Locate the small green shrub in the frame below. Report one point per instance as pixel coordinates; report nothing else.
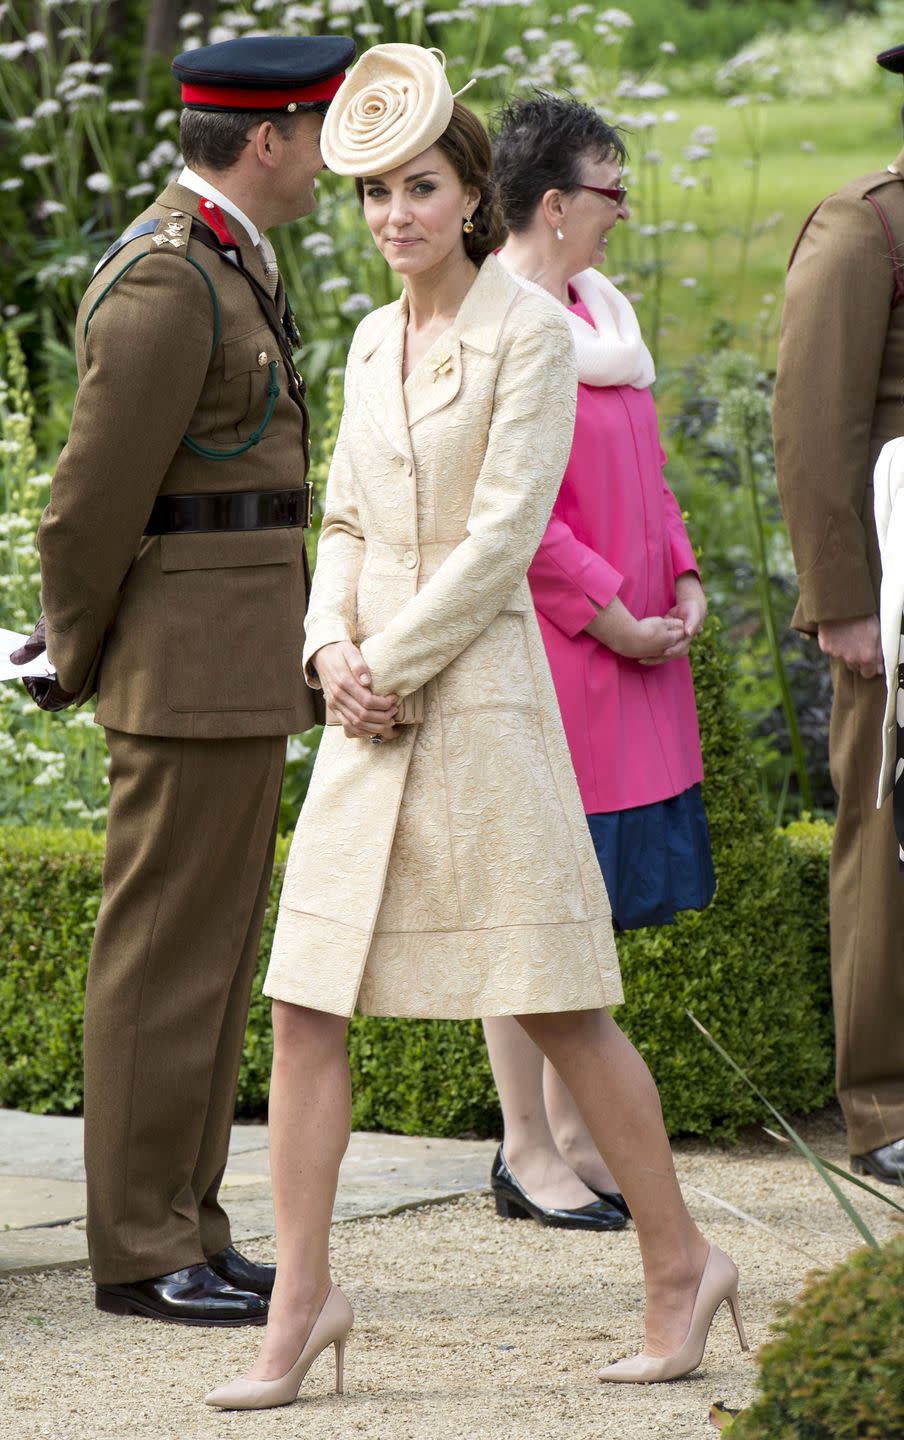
(753, 968)
(833, 1370)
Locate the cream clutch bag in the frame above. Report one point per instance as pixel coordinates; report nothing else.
(411, 710)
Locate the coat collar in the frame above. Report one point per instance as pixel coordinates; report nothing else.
(179, 197)
(437, 379)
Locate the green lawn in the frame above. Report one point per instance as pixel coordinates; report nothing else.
(850, 138)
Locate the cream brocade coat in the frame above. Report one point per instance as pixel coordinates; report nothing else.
(448, 873)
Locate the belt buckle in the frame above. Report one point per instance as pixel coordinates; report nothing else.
(307, 504)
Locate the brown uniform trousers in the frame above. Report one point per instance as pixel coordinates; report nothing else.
(838, 399)
(194, 644)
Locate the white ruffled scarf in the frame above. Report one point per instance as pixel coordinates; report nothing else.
(611, 351)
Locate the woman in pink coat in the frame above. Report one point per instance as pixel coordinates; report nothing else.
(619, 601)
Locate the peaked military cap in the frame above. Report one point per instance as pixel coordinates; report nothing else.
(264, 72)
(892, 60)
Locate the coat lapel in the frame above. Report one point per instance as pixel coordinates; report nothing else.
(436, 381)
(382, 381)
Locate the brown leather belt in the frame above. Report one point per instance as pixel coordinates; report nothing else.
(231, 510)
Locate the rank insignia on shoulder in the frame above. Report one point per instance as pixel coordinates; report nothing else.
(171, 233)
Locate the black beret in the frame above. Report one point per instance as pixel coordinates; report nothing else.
(892, 60)
(264, 72)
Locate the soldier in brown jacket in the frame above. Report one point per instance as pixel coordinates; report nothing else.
(174, 581)
(839, 397)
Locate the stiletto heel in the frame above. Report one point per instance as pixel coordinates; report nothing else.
(331, 1327)
(718, 1283)
(735, 1303)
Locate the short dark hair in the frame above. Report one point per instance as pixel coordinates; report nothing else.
(540, 143)
(466, 145)
(216, 138)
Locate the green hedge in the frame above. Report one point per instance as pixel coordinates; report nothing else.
(753, 968)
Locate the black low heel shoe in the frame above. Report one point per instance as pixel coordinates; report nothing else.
(614, 1198)
(513, 1203)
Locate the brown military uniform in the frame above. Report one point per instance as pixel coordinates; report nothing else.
(839, 397)
(194, 642)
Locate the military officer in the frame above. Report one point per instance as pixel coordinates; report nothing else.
(174, 582)
(838, 399)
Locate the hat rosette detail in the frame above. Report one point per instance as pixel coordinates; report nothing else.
(395, 103)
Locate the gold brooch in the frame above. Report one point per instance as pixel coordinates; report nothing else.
(442, 366)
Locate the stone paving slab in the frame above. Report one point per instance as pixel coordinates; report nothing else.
(42, 1184)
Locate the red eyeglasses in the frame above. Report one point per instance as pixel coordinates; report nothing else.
(618, 193)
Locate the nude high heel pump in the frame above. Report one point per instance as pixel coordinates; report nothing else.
(331, 1327)
(719, 1282)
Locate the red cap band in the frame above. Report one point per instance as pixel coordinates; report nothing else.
(235, 98)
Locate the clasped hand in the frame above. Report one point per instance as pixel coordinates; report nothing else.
(347, 685)
(657, 638)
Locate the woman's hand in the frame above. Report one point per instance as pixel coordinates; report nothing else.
(690, 608)
(648, 639)
(346, 683)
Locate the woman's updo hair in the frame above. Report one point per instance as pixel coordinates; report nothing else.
(466, 145)
(540, 143)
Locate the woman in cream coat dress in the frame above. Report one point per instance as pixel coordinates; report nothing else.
(442, 865)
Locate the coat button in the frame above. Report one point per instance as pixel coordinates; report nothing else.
(409, 559)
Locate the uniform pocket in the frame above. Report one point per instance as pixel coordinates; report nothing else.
(232, 600)
(246, 376)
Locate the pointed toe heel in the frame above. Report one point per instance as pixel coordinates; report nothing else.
(332, 1327)
(718, 1284)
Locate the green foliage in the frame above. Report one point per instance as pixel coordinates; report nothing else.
(753, 967)
(833, 1369)
(49, 895)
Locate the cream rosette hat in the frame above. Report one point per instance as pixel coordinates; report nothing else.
(393, 104)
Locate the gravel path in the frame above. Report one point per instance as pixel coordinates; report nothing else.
(468, 1327)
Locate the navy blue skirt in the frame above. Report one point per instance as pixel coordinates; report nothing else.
(656, 859)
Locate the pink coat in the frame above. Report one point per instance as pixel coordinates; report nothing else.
(616, 529)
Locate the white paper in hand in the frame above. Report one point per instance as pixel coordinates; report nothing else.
(10, 641)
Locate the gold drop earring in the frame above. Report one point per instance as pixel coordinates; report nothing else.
(468, 225)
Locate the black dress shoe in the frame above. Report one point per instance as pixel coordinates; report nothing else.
(195, 1296)
(514, 1203)
(243, 1274)
(614, 1198)
(886, 1163)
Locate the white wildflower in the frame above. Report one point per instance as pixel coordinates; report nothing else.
(191, 20)
(71, 32)
(668, 117)
(165, 119)
(35, 162)
(736, 101)
(46, 208)
(46, 108)
(689, 282)
(85, 92)
(619, 18)
(125, 107)
(144, 188)
(24, 124)
(653, 157)
(35, 41)
(356, 304)
(192, 42)
(807, 146)
(534, 36)
(99, 183)
(15, 182)
(335, 282)
(13, 50)
(705, 135)
(689, 227)
(689, 182)
(219, 33)
(668, 47)
(368, 29)
(695, 153)
(346, 7)
(79, 68)
(319, 243)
